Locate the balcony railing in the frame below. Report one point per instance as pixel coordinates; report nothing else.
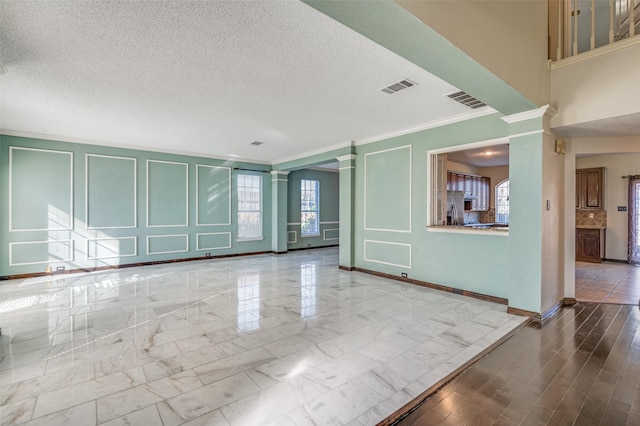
(578, 26)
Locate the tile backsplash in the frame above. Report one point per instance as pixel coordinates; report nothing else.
(599, 218)
(471, 217)
(488, 217)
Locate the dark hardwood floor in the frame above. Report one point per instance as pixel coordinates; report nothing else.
(581, 367)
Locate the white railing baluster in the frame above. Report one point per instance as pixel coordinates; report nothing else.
(575, 27)
(568, 43)
(559, 54)
(632, 19)
(593, 24)
(612, 14)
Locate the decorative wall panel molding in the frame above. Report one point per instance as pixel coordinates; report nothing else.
(330, 234)
(40, 252)
(40, 189)
(387, 190)
(213, 195)
(167, 193)
(162, 244)
(110, 248)
(110, 192)
(388, 253)
(213, 241)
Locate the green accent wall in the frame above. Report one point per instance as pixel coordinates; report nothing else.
(387, 189)
(525, 220)
(279, 212)
(111, 192)
(87, 206)
(329, 209)
(474, 262)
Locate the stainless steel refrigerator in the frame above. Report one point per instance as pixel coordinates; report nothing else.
(455, 208)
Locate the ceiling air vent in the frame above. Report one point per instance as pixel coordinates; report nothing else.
(467, 100)
(256, 143)
(396, 87)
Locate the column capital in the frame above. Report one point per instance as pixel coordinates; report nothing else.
(346, 157)
(279, 172)
(544, 111)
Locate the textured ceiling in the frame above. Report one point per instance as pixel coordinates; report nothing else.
(624, 125)
(488, 156)
(204, 77)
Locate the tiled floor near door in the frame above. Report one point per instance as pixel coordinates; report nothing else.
(259, 340)
(608, 282)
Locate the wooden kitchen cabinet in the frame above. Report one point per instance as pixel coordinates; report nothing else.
(590, 245)
(479, 187)
(590, 188)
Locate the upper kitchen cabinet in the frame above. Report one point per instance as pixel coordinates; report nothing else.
(477, 189)
(590, 188)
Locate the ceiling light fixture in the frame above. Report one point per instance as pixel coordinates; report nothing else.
(256, 143)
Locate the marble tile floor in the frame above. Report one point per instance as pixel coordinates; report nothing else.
(608, 282)
(257, 340)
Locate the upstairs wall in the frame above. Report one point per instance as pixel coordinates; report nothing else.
(597, 85)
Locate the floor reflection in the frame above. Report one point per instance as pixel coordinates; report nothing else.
(249, 302)
(308, 300)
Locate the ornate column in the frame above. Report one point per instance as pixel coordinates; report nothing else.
(347, 169)
(279, 183)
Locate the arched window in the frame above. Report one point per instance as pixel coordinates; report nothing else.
(502, 202)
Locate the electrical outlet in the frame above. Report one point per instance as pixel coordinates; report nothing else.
(404, 275)
(207, 255)
(622, 208)
(59, 268)
(591, 215)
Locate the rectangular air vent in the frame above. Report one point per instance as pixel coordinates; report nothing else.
(467, 100)
(396, 87)
(256, 143)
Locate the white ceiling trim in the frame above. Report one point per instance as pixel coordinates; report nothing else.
(324, 169)
(128, 146)
(472, 145)
(481, 112)
(314, 152)
(527, 115)
(425, 126)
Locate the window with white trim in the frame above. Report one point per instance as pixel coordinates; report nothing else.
(309, 207)
(502, 202)
(249, 207)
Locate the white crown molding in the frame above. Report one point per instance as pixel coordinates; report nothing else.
(528, 115)
(481, 112)
(323, 169)
(314, 152)
(346, 157)
(128, 146)
(600, 51)
(279, 172)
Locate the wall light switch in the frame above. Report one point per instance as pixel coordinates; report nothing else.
(548, 205)
(622, 208)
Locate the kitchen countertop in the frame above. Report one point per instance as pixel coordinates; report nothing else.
(471, 228)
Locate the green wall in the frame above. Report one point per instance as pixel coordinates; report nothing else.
(391, 235)
(329, 209)
(87, 206)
